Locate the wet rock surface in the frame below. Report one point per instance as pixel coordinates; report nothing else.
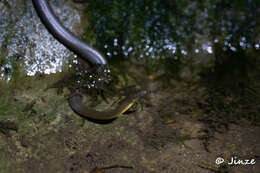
(23, 35)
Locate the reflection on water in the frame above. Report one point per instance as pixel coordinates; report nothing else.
(151, 28)
(122, 29)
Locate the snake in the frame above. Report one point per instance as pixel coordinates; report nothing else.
(78, 106)
(88, 54)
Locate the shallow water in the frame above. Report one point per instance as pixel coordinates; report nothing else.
(198, 60)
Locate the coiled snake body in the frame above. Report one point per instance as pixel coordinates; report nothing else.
(87, 53)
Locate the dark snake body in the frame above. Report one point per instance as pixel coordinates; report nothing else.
(68, 39)
(87, 53)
